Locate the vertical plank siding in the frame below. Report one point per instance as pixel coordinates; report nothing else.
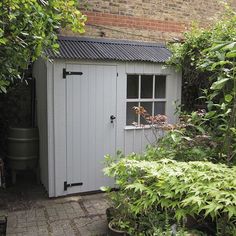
(83, 105)
(40, 72)
(136, 140)
(91, 100)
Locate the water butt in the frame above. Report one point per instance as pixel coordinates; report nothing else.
(23, 149)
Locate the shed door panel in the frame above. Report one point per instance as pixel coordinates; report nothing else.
(91, 100)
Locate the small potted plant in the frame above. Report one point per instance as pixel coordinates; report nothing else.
(117, 227)
(120, 221)
(118, 217)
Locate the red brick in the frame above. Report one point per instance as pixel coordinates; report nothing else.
(160, 20)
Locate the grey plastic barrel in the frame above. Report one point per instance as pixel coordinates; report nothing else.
(23, 148)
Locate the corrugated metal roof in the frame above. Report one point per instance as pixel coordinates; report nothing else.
(108, 49)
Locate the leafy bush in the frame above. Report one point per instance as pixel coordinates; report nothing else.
(188, 140)
(221, 97)
(181, 189)
(207, 58)
(27, 28)
(156, 194)
(189, 54)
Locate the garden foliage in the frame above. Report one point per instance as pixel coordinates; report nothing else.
(189, 56)
(212, 53)
(189, 172)
(27, 28)
(197, 189)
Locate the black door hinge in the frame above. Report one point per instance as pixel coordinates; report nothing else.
(65, 73)
(71, 185)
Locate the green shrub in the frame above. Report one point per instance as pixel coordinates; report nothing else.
(176, 179)
(189, 54)
(207, 58)
(188, 140)
(182, 189)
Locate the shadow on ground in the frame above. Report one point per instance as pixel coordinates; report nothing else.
(31, 212)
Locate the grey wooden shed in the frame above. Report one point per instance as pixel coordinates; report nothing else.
(85, 94)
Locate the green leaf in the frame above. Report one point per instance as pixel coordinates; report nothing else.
(211, 209)
(210, 104)
(200, 129)
(219, 84)
(231, 54)
(229, 46)
(3, 89)
(213, 95)
(137, 187)
(231, 211)
(105, 189)
(187, 138)
(180, 214)
(210, 114)
(228, 97)
(219, 63)
(173, 136)
(217, 47)
(223, 106)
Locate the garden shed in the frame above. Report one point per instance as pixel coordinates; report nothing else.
(85, 94)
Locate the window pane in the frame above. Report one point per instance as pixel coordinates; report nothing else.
(160, 86)
(159, 108)
(148, 107)
(132, 86)
(131, 117)
(146, 86)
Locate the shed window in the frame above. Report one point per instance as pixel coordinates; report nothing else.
(148, 91)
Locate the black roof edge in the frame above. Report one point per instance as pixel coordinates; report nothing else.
(110, 41)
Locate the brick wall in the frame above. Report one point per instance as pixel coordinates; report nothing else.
(147, 20)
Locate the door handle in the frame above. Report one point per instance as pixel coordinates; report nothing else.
(112, 118)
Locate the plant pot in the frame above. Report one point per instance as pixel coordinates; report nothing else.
(110, 214)
(115, 232)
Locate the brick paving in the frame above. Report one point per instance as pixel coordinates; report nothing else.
(77, 215)
(32, 214)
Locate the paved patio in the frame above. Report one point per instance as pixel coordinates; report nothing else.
(30, 212)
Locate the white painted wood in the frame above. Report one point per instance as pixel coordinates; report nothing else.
(129, 142)
(171, 94)
(136, 140)
(40, 73)
(178, 77)
(139, 68)
(59, 91)
(50, 130)
(121, 106)
(91, 100)
(79, 131)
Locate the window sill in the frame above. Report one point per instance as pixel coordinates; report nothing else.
(132, 127)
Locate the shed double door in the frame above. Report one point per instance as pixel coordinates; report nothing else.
(91, 133)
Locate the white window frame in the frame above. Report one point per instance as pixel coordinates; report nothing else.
(139, 99)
